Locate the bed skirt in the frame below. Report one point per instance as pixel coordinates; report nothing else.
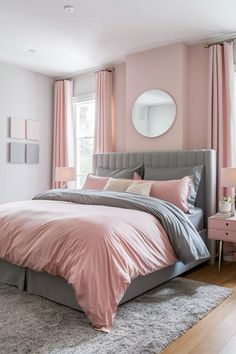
(56, 289)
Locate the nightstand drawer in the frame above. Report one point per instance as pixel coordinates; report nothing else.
(221, 224)
(224, 235)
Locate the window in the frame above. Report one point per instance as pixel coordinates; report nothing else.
(84, 114)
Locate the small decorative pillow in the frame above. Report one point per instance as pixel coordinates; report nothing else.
(173, 191)
(94, 182)
(137, 177)
(142, 188)
(117, 184)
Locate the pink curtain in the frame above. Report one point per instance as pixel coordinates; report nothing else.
(59, 155)
(221, 108)
(104, 138)
(62, 128)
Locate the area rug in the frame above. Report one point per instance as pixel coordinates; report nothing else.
(147, 324)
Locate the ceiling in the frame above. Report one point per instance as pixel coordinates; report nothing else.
(103, 31)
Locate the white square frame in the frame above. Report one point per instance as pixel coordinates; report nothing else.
(17, 128)
(32, 130)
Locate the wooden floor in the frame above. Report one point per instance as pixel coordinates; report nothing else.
(216, 333)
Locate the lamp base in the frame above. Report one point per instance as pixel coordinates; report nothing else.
(233, 207)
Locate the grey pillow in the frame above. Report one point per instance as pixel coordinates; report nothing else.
(167, 173)
(120, 173)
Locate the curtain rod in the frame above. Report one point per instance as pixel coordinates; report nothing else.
(109, 69)
(229, 40)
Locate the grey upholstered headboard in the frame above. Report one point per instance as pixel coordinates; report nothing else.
(206, 198)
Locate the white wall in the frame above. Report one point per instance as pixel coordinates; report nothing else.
(84, 85)
(28, 95)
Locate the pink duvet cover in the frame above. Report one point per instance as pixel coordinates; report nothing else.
(97, 249)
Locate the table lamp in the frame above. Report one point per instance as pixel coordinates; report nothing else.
(228, 179)
(64, 174)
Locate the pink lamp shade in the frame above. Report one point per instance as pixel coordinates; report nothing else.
(228, 177)
(64, 174)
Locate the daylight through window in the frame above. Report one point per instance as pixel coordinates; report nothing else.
(85, 120)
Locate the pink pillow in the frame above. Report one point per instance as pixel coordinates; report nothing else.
(98, 183)
(95, 182)
(174, 191)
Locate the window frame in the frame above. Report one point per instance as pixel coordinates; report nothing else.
(76, 100)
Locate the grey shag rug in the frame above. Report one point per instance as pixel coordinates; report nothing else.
(147, 324)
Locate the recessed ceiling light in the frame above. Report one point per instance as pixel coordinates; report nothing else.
(69, 8)
(32, 50)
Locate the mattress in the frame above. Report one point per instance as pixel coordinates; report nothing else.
(197, 218)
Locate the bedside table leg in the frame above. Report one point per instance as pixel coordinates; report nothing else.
(220, 255)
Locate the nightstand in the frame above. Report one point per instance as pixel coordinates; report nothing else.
(220, 229)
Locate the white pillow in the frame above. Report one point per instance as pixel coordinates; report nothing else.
(140, 188)
(117, 184)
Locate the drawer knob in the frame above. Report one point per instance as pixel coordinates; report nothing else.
(227, 233)
(227, 224)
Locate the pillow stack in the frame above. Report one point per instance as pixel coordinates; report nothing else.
(176, 185)
(136, 186)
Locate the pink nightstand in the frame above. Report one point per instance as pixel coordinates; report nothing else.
(221, 230)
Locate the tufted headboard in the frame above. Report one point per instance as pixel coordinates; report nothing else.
(206, 198)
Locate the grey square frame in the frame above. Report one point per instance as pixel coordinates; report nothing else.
(32, 153)
(17, 153)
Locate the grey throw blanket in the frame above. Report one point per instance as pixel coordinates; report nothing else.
(185, 240)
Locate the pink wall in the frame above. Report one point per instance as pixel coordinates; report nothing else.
(180, 70)
(161, 68)
(197, 96)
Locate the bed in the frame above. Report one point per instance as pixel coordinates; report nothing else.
(55, 288)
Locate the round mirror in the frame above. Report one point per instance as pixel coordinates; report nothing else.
(153, 113)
